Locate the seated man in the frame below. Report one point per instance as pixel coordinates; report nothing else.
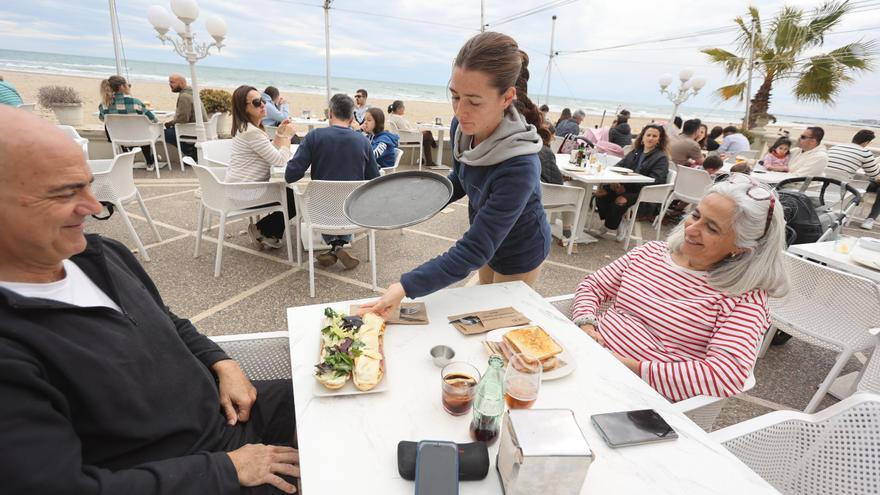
(684, 149)
(572, 125)
(810, 158)
(104, 389)
(335, 152)
(687, 315)
(734, 141)
(184, 113)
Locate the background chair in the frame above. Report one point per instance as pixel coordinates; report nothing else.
(690, 186)
(835, 451)
(411, 139)
(828, 308)
(648, 194)
(83, 142)
(186, 133)
(262, 356)
(135, 130)
(319, 203)
(701, 409)
(114, 183)
(398, 153)
(234, 200)
(215, 153)
(564, 199)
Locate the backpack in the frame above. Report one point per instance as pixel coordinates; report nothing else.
(803, 223)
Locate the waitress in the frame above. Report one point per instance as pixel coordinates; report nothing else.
(496, 136)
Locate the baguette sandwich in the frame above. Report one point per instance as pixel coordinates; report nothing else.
(369, 366)
(351, 347)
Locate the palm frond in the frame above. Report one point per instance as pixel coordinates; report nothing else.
(733, 64)
(821, 80)
(787, 32)
(857, 56)
(825, 17)
(731, 91)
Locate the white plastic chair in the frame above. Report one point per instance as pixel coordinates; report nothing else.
(114, 183)
(135, 130)
(828, 308)
(690, 186)
(648, 194)
(83, 142)
(870, 379)
(28, 107)
(398, 153)
(411, 139)
(234, 200)
(186, 133)
(319, 203)
(836, 451)
(563, 199)
(215, 153)
(557, 143)
(701, 409)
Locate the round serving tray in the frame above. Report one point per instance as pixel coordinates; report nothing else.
(398, 200)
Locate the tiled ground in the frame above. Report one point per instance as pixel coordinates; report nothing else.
(255, 287)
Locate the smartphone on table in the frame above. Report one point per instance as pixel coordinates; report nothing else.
(437, 468)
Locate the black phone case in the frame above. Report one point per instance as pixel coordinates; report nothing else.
(473, 460)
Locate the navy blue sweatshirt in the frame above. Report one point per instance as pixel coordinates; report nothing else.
(509, 230)
(94, 401)
(333, 153)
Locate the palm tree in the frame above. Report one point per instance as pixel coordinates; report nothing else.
(780, 54)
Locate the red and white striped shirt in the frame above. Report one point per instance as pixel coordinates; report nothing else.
(689, 338)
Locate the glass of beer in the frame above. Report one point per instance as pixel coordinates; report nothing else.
(522, 380)
(459, 381)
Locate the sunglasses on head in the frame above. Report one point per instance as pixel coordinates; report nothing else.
(758, 192)
(257, 103)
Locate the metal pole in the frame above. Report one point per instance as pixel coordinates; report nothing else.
(749, 80)
(482, 16)
(550, 62)
(197, 100)
(327, 47)
(117, 41)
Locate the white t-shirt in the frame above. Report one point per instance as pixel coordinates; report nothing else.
(75, 288)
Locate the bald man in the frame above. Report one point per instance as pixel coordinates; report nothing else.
(184, 114)
(104, 390)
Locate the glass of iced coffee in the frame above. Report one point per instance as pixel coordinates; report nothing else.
(459, 382)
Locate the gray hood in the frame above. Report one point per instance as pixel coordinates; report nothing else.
(513, 137)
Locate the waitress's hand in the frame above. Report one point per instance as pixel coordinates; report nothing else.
(386, 305)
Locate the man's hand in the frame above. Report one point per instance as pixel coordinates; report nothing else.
(169, 124)
(593, 333)
(258, 464)
(237, 394)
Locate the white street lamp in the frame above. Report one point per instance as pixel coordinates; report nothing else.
(690, 86)
(185, 14)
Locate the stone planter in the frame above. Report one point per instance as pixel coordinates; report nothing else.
(224, 125)
(70, 114)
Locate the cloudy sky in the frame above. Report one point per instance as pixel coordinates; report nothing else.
(416, 40)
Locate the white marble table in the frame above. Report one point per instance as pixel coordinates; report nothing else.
(589, 179)
(824, 252)
(349, 444)
(759, 174)
(441, 130)
(310, 123)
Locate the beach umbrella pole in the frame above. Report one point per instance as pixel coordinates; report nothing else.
(550, 62)
(117, 39)
(327, 47)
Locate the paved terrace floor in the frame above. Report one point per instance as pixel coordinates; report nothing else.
(255, 287)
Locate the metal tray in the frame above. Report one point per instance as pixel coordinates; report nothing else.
(398, 200)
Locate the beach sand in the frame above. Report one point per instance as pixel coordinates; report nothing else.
(162, 98)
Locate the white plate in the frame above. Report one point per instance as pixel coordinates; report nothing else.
(865, 257)
(575, 168)
(621, 170)
(348, 389)
(570, 364)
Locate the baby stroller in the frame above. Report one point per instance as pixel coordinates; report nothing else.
(815, 207)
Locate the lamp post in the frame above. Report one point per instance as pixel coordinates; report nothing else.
(690, 86)
(186, 12)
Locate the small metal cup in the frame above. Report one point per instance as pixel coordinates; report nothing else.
(442, 355)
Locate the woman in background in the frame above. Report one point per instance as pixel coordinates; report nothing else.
(702, 135)
(116, 99)
(397, 122)
(713, 139)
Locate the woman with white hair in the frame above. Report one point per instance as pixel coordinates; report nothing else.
(688, 314)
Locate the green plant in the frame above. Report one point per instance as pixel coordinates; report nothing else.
(53, 96)
(781, 53)
(216, 100)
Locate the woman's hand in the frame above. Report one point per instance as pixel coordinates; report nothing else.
(386, 305)
(593, 333)
(284, 131)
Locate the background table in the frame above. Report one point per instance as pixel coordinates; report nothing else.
(761, 175)
(349, 444)
(588, 179)
(310, 123)
(441, 130)
(824, 252)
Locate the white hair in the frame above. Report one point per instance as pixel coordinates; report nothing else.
(578, 113)
(761, 265)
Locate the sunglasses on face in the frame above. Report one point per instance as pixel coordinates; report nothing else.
(358, 96)
(257, 103)
(806, 137)
(758, 192)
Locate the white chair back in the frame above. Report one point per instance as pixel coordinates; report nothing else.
(71, 131)
(557, 143)
(398, 153)
(216, 153)
(410, 137)
(117, 182)
(211, 130)
(28, 107)
(130, 130)
(322, 202)
(560, 199)
(691, 184)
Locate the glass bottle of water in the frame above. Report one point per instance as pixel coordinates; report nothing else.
(489, 403)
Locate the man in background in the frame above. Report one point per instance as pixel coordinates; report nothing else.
(810, 158)
(360, 107)
(185, 113)
(572, 125)
(684, 149)
(734, 141)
